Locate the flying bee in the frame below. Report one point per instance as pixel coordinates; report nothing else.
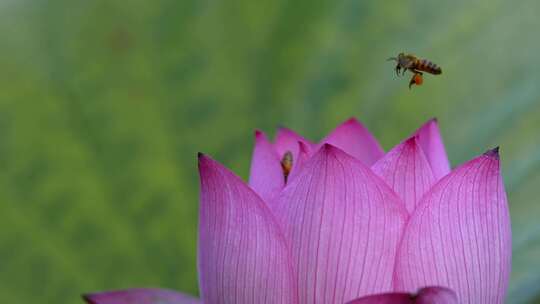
(416, 66)
(286, 164)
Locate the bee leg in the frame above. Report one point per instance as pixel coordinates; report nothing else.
(411, 82)
(398, 68)
(413, 78)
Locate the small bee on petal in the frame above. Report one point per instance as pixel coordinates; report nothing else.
(416, 66)
(287, 164)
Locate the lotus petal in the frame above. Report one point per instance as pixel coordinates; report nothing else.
(304, 153)
(287, 140)
(353, 138)
(406, 170)
(344, 224)
(140, 296)
(266, 175)
(459, 235)
(430, 139)
(428, 295)
(243, 256)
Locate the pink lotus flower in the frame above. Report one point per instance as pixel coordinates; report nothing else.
(348, 224)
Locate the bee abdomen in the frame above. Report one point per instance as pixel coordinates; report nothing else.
(428, 66)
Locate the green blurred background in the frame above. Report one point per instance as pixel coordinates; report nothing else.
(104, 104)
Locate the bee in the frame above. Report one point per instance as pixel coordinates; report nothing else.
(286, 164)
(416, 66)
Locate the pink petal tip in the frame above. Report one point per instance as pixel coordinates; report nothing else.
(493, 153)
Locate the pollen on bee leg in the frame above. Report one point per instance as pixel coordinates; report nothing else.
(286, 164)
(417, 79)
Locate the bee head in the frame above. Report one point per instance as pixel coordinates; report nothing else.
(403, 60)
(398, 58)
